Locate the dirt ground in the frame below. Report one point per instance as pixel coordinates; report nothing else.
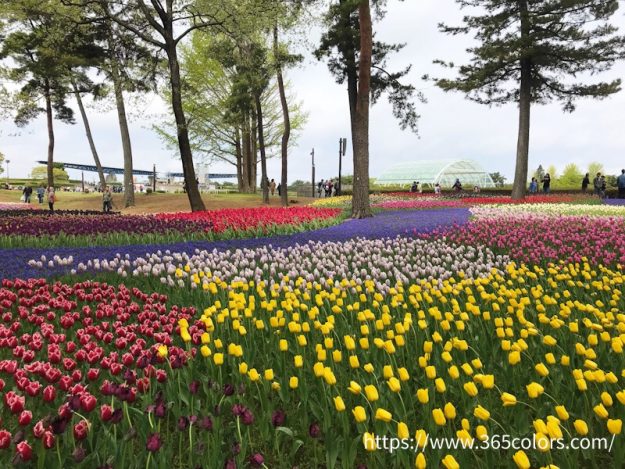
(154, 203)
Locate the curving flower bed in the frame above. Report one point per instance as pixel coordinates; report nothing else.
(69, 229)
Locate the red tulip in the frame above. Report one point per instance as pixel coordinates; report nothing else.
(5, 439)
(81, 429)
(25, 417)
(24, 450)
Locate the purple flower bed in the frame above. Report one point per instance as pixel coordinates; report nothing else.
(614, 201)
(14, 262)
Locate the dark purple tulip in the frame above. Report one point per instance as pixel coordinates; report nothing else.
(59, 424)
(159, 410)
(206, 423)
(117, 416)
(154, 442)
(130, 377)
(228, 389)
(278, 418)
(248, 417)
(74, 402)
(238, 409)
(230, 464)
(314, 430)
(257, 460)
(194, 387)
(183, 423)
(236, 449)
(79, 454)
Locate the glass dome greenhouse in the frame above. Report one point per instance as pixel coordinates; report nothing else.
(431, 172)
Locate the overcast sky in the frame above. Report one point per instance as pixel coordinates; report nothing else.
(450, 127)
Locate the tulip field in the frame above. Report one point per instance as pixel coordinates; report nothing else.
(295, 337)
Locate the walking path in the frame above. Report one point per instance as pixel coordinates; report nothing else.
(14, 262)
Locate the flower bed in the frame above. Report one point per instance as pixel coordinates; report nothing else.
(37, 230)
(538, 238)
(301, 372)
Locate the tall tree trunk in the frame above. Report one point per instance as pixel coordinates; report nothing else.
(261, 144)
(254, 150)
(247, 154)
(193, 193)
(50, 123)
(129, 186)
(360, 198)
(525, 99)
(286, 133)
(239, 159)
(85, 121)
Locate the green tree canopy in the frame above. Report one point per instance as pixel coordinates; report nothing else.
(571, 176)
(535, 51)
(60, 175)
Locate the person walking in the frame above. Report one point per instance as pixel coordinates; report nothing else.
(279, 188)
(620, 184)
(533, 186)
(107, 200)
(413, 188)
(51, 198)
(40, 193)
(596, 183)
(585, 182)
(28, 191)
(603, 190)
(272, 187)
(319, 188)
(457, 186)
(546, 183)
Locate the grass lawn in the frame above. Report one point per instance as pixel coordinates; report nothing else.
(153, 203)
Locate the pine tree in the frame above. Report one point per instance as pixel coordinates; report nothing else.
(531, 52)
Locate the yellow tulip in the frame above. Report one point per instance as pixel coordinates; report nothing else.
(514, 357)
(615, 426)
(253, 374)
(402, 430)
(205, 351)
(360, 414)
(534, 390)
(383, 415)
(481, 433)
(368, 441)
(562, 412)
(430, 371)
(268, 374)
(243, 368)
(439, 417)
(541, 369)
(423, 396)
(508, 399)
(403, 374)
(339, 404)
(394, 384)
(439, 384)
(293, 382)
(450, 411)
(521, 460)
(481, 413)
(371, 392)
(420, 462)
(606, 399)
(420, 438)
(581, 427)
(601, 411)
(298, 361)
(354, 387)
(450, 463)
(162, 351)
(218, 358)
(470, 388)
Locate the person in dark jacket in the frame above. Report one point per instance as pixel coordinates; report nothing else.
(546, 183)
(585, 182)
